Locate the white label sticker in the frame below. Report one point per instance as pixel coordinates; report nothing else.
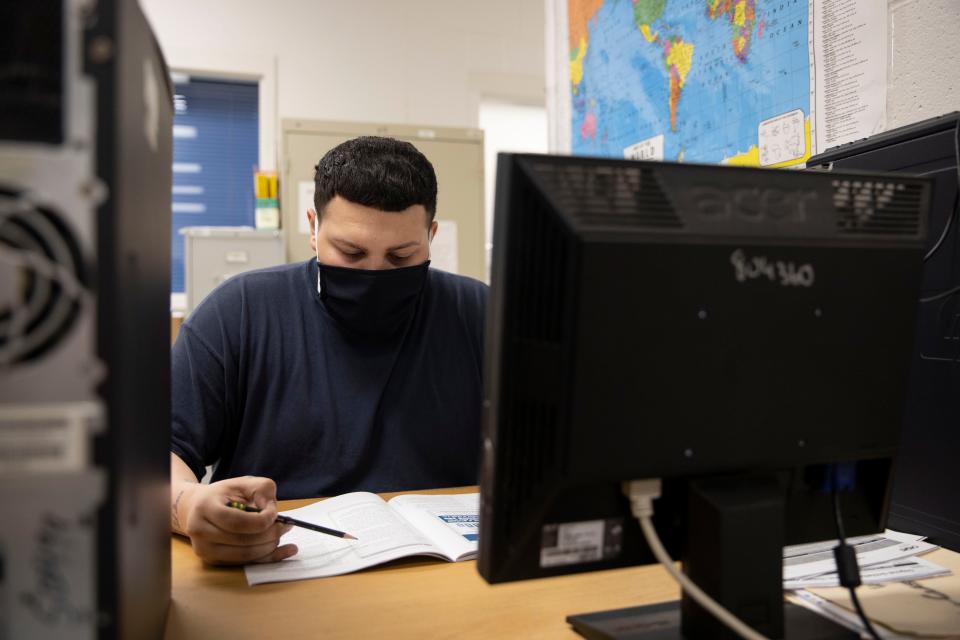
(236, 256)
(305, 191)
(579, 542)
(782, 138)
(649, 149)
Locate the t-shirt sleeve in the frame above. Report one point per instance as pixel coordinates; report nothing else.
(198, 392)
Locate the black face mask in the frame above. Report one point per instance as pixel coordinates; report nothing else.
(374, 303)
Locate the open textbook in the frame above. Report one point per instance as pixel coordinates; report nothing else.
(444, 526)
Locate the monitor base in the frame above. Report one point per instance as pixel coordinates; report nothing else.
(662, 622)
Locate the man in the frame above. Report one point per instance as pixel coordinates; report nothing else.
(360, 370)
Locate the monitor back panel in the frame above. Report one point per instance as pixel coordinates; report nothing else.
(657, 320)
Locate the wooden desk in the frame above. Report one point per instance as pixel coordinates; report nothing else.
(406, 599)
(176, 321)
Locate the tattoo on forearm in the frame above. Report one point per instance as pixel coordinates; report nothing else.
(176, 507)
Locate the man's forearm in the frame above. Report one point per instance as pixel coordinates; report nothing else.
(183, 483)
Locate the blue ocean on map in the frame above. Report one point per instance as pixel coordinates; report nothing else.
(624, 95)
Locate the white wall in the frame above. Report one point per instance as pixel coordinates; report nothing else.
(924, 77)
(404, 62)
(507, 127)
(433, 61)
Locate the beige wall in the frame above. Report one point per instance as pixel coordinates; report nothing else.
(392, 61)
(924, 73)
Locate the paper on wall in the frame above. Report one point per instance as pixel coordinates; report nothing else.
(444, 254)
(849, 42)
(304, 202)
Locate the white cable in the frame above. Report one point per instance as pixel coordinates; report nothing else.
(641, 494)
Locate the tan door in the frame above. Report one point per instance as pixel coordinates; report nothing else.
(457, 157)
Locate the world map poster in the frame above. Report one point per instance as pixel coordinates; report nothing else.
(721, 81)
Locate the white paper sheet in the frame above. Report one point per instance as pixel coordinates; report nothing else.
(451, 521)
(848, 65)
(896, 571)
(804, 561)
(305, 191)
(444, 254)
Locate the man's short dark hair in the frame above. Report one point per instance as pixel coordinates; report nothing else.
(382, 173)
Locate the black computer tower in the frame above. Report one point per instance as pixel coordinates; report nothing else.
(926, 476)
(85, 172)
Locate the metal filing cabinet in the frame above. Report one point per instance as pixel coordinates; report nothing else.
(213, 254)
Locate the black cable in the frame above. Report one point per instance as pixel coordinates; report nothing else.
(846, 558)
(863, 616)
(956, 199)
(946, 227)
(837, 516)
(941, 295)
(956, 148)
(953, 214)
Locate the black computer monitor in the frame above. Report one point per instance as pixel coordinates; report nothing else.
(926, 474)
(739, 333)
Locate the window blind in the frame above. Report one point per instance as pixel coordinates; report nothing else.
(215, 150)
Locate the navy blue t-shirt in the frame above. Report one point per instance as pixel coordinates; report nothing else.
(266, 383)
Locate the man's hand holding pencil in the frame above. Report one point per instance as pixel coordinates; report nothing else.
(296, 523)
(221, 534)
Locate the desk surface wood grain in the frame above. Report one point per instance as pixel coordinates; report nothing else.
(412, 598)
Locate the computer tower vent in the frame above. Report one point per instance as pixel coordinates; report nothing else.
(608, 195)
(530, 417)
(531, 427)
(32, 71)
(41, 279)
(877, 207)
(540, 319)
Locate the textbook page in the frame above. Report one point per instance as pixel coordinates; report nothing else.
(382, 536)
(452, 522)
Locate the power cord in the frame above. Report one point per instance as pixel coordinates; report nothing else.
(956, 148)
(946, 227)
(848, 570)
(642, 494)
(953, 214)
(956, 201)
(941, 295)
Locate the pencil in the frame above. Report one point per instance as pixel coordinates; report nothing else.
(297, 523)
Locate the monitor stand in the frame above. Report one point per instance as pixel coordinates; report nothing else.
(734, 552)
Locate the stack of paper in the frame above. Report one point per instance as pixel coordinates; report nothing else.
(885, 557)
(899, 610)
(890, 557)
